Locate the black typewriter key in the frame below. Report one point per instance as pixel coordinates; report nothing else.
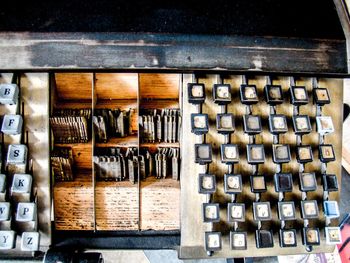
(283, 182)
(330, 182)
(252, 124)
(212, 241)
(301, 124)
(324, 125)
(311, 236)
(286, 211)
(333, 235)
(309, 209)
(222, 94)
(248, 94)
(211, 212)
(257, 184)
(236, 212)
(307, 182)
(225, 123)
(203, 153)
(207, 183)
(229, 153)
(255, 153)
(321, 96)
(199, 123)
(288, 238)
(278, 124)
(238, 240)
(264, 238)
(280, 153)
(262, 211)
(298, 95)
(273, 94)
(304, 154)
(196, 93)
(233, 183)
(326, 153)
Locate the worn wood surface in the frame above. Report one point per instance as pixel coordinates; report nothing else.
(192, 226)
(42, 51)
(74, 86)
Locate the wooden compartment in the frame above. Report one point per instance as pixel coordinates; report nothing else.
(74, 201)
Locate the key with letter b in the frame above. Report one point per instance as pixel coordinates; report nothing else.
(8, 93)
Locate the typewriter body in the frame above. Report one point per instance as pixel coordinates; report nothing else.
(218, 141)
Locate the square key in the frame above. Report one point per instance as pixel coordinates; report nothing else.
(236, 212)
(233, 183)
(264, 238)
(225, 123)
(203, 153)
(255, 153)
(301, 124)
(199, 123)
(298, 95)
(311, 236)
(321, 96)
(211, 212)
(288, 238)
(257, 184)
(12, 124)
(222, 93)
(307, 182)
(8, 93)
(330, 182)
(331, 209)
(30, 241)
(212, 241)
(309, 209)
(7, 239)
(278, 124)
(5, 211)
(21, 183)
(333, 235)
(248, 94)
(252, 124)
(196, 93)
(304, 154)
(17, 154)
(324, 125)
(286, 211)
(283, 182)
(262, 211)
(26, 212)
(326, 153)
(280, 153)
(229, 153)
(273, 94)
(238, 240)
(207, 183)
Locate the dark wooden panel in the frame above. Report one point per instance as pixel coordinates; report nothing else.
(161, 51)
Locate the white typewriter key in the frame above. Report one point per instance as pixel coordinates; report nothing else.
(21, 183)
(17, 154)
(12, 124)
(2, 187)
(238, 240)
(333, 235)
(324, 124)
(8, 93)
(30, 241)
(309, 209)
(7, 239)
(236, 212)
(262, 211)
(26, 212)
(211, 212)
(212, 241)
(5, 211)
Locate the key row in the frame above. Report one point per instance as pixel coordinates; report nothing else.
(283, 183)
(225, 124)
(248, 94)
(256, 153)
(29, 240)
(264, 238)
(262, 211)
